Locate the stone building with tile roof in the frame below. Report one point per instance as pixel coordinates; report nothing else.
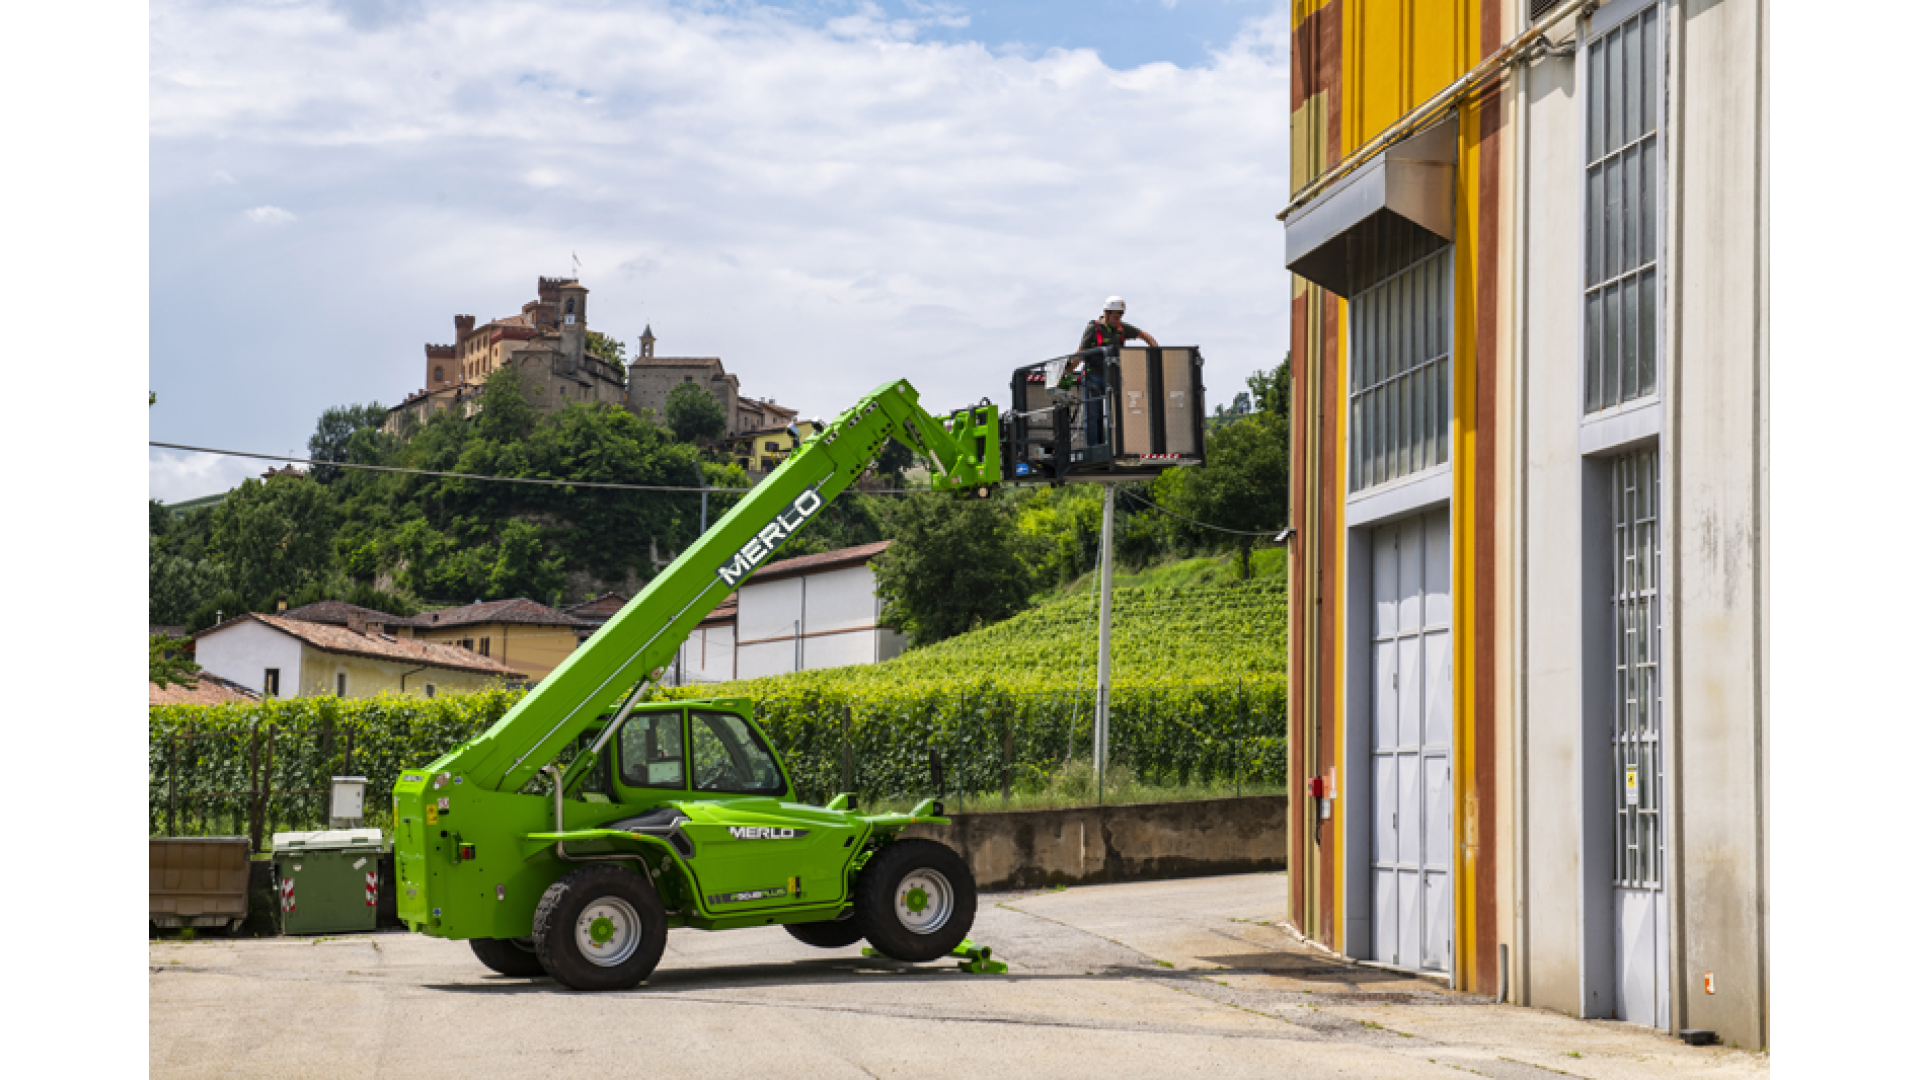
(546, 342)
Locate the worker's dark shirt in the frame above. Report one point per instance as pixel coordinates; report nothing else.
(1098, 333)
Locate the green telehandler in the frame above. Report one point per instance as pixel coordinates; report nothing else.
(570, 836)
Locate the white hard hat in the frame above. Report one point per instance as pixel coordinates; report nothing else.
(1114, 303)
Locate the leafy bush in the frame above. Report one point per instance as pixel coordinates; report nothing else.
(205, 756)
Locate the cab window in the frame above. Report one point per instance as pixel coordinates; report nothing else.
(651, 751)
(728, 756)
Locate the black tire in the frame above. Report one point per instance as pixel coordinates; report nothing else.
(598, 907)
(512, 957)
(837, 934)
(885, 902)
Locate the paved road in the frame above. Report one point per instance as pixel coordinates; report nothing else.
(1178, 978)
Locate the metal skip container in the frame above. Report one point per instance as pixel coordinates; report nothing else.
(197, 881)
(328, 882)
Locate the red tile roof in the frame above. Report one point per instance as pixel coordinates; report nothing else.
(518, 610)
(600, 608)
(336, 613)
(814, 564)
(728, 611)
(339, 639)
(211, 690)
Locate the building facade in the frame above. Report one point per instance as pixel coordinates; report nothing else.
(278, 656)
(651, 378)
(802, 614)
(762, 450)
(531, 638)
(1528, 660)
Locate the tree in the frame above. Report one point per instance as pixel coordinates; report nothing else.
(168, 663)
(607, 347)
(177, 586)
(1243, 486)
(335, 430)
(893, 460)
(273, 537)
(955, 564)
(693, 414)
(505, 415)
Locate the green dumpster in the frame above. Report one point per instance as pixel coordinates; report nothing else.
(329, 881)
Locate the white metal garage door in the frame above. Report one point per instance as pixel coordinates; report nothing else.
(1412, 745)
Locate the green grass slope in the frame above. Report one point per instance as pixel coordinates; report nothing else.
(1187, 623)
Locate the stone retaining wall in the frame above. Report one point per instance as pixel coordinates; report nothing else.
(1027, 849)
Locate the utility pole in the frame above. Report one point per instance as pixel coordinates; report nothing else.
(1105, 685)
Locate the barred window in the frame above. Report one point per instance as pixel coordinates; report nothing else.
(1623, 177)
(1637, 766)
(1401, 401)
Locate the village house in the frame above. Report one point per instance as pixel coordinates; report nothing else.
(532, 638)
(281, 656)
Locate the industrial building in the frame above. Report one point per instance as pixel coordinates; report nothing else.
(1528, 656)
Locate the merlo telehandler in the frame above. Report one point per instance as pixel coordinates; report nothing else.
(573, 834)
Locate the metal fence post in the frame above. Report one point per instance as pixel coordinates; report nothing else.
(846, 748)
(173, 769)
(1006, 763)
(960, 792)
(266, 788)
(253, 784)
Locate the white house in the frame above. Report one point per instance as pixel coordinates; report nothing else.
(275, 656)
(816, 611)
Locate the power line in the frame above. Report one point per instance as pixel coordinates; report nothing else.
(1276, 534)
(495, 479)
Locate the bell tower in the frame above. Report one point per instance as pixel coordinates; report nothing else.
(646, 342)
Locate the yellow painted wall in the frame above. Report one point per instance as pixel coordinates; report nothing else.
(367, 677)
(534, 651)
(1395, 55)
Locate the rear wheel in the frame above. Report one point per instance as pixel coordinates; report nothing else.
(916, 900)
(600, 928)
(828, 935)
(513, 957)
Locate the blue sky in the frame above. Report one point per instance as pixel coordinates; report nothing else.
(825, 195)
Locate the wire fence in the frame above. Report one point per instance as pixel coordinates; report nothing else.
(256, 768)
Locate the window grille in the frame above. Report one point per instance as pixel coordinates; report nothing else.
(1400, 397)
(1637, 759)
(1623, 174)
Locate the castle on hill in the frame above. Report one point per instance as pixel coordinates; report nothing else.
(547, 344)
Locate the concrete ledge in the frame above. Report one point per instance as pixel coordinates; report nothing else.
(1028, 849)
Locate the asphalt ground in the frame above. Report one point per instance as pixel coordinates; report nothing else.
(1171, 978)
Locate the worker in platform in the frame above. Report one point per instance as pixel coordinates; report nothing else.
(1108, 329)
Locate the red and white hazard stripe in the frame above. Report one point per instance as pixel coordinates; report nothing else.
(286, 895)
(373, 889)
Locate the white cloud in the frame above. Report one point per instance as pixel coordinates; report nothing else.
(824, 208)
(222, 176)
(268, 215)
(174, 476)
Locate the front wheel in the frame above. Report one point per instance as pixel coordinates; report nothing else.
(512, 957)
(915, 900)
(600, 928)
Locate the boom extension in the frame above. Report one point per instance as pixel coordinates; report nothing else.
(609, 670)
